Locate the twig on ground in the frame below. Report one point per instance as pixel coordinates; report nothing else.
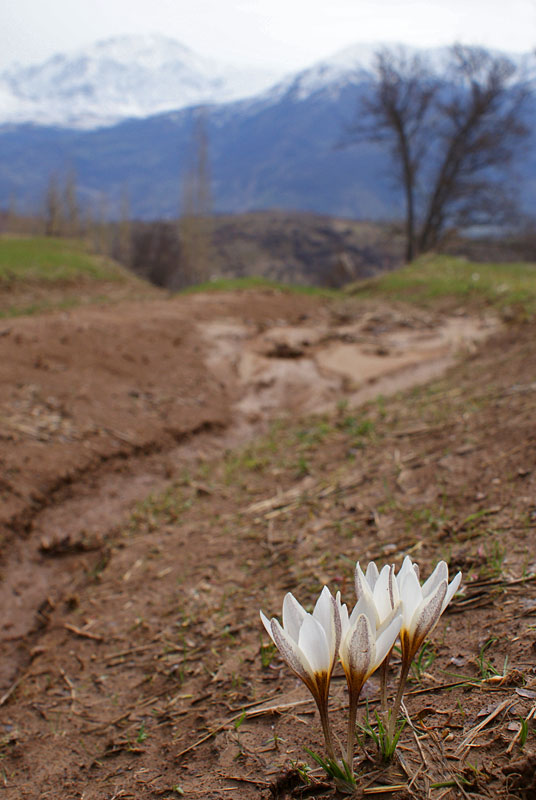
(473, 733)
(82, 633)
(531, 714)
(414, 732)
(255, 712)
(246, 780)
(5, 697)
(70, 684)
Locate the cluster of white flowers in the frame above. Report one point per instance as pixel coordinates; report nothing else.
(388, 606)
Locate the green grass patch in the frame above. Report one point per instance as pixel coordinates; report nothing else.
(255, 282)
(50, 260)
(430, 278)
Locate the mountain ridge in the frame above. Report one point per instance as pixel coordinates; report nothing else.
(128, 77)
(280, 148)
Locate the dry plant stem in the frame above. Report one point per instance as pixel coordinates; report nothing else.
(399, 695)
(383, 681)
(354, 692)
(322, 705)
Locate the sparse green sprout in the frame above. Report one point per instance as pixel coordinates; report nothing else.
(302, 769)
(302, 467)
(358, 429)
(238, 722)
(496, 555)
(385, 743)
(423, 661)
(339, 771)
(486, 668)
(142, 734)
(459, 779)
(523, 732)
(267, 652)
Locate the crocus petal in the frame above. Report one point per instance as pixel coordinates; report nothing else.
(358, 649)
(268, 625)
(386, 640)
(338, 630)
(383, 593)
(440, 573)
(367, 606)
(291, 653)
(293, 616)
(365, 598)
(372, 574)
(388, 619)
(326, 611)
(394, 593)
(407, 566)
(451, 590)
(410, 596)
(426, 617)
(313, 643)
(343, 614)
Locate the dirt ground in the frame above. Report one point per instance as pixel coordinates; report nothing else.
(169, 467)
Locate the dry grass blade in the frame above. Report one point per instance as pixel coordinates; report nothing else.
(254, 712)
(531, 714)
(473, 733)
(82, 633)
(240, 779)
(286, 500)
(5, 697)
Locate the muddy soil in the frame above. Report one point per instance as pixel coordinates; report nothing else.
(137, 538)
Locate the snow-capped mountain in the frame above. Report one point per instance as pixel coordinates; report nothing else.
(138, 76)
(123, 77)
(356, 64)
(280, 148)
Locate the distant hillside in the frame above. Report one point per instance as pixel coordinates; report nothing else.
(293, 248)
(279, 154)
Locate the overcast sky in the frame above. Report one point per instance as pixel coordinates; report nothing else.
(284, 33)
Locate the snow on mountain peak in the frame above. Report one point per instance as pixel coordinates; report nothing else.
(126, 76)
(138, 76)
(356, 63)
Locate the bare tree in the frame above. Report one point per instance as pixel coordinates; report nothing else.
(124, 232)
(451, 137)
(195, 225)
(71, 210)
(53, 210)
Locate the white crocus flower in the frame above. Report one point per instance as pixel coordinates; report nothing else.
(309, 643)
(367, 637)
(383, 587)
(421, 608)
(423, 605)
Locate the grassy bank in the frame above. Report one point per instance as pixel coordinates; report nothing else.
(52, 260)
(429, 279)
(44, 273)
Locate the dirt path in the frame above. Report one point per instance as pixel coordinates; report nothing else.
(100, 407)
(131, 610)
